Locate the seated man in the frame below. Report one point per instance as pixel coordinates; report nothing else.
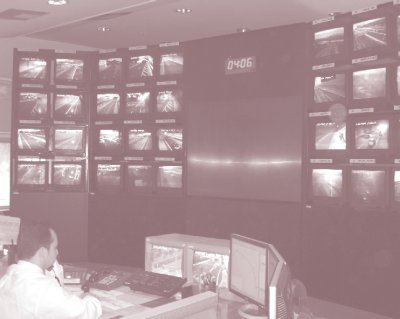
(27, 293)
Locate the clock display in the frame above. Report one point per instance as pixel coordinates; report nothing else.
(240, 65)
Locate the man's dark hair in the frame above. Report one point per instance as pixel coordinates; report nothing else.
(32, 236)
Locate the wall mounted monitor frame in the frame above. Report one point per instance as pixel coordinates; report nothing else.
(330, 40)
(369, 87)
(32, 140)
(70, 105)
(32, 104)
(69, 140)
(111, 67)
(326, 184)
(107, 176)
(140, 177)
(72, 69)
(30, 175)
(68, 175)
(368, 187)
(107, 140)
(370, 137)
(373, 32)
(32, 67)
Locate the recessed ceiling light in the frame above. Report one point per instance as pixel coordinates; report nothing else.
(57, 2)
(183, 10)
(242, 30)
(103, 29)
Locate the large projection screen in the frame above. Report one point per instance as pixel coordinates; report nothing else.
(246, 148)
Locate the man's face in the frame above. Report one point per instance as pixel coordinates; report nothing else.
(52, 252)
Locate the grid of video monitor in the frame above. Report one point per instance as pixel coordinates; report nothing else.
(353, 132)
(137, 120)
(50, 120)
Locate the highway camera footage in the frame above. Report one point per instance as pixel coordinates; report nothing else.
(369, 83)
(330, 136)
(140, 176)
(369, 34)
(397, 186)
(31, 68)
(140, 66)
(31, 139)
(110, 69)
(110, 140)
(169, 177)
(329, 88)
(137, 102)
(31, 173)
(327, 182)
(108, 104)
(368, 186)
(69, 69)
(68, 105)
(32, 104)
(328, 42)
(67, 174)
(167, 260)
(68, 139)
(170, 139)
(171, 64)
(108, 175)
(372, 135)
(140, 140)
(169, 101)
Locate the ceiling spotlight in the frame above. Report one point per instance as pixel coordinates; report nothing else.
(183, 10)
(103, 29)
(242, 30)
(57, 2)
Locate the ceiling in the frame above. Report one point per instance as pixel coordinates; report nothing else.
(141, 22)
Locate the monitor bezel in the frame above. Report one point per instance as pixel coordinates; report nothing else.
(63, 187)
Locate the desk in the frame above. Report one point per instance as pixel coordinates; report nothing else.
(205, 305)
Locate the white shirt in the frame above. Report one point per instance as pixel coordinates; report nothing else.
(27, 293)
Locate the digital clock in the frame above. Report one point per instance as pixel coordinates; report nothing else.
(240, 65)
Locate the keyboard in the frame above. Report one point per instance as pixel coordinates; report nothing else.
(107, 279)
(154, 283)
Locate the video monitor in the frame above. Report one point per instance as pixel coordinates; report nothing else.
(260, 275)
(330, 88)
(31, 175)
(32, 140)
(139, 140)
(167, 260)
(140, 67)
(369, 87)
(108, 176)
(108, 105)
(329, 43)
(33, 69)
(68, 175)
(368, 187)
(210, 268)
(169, 176)
(108, 141)
(68, 106)
(69, 140)
(327, 185)
(329, 136)
(170, 139)
(169, 101)
(110, 70)
(139, 177)
(371, 134)
(69, 70)
(137, 103)
(33, 105)
(171, 64)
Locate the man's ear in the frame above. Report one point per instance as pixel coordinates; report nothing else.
(42, 252)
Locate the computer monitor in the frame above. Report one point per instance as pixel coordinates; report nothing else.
(9, 228)
(259, 274)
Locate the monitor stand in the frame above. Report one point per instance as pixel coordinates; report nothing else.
(250, 311)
